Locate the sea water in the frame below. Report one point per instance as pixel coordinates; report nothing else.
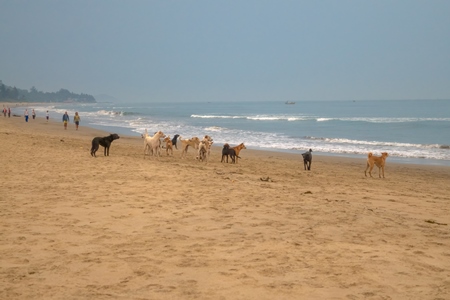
(413, 131)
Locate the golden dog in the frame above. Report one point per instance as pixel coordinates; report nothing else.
(379, 161)
(193, 142)
(238, 149)
(169, 145)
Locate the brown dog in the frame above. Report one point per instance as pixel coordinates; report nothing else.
(238, 149)
(169, 145)
(379, 161)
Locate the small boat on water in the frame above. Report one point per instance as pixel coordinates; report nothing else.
(289, 102)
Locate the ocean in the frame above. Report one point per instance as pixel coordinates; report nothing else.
(411, 131)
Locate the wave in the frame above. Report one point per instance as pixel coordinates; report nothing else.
(384, 120)
(256, 117)
(116, 113)
(216, 117)
(377, 143)
(214, 128)
(293, 118)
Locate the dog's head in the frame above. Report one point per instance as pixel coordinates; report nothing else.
(114, 136)
(159, 134)
(384, 155)
(226, 146)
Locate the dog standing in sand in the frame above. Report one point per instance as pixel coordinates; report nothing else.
(169, 145)
(103, 141)
(307, 159)
(226, 150)
(379, 161)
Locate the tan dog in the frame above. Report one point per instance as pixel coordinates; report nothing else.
(169, 145)
(379, 161)
(238, 149)
(152, 143)
(193, 142)
(203, 150)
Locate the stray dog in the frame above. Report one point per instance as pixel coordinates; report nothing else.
(169, 145)
(204, 148)
(193, 142)
(379, 161)
(226, 150)
(238, 149)
(103, 141)
(175, 140)
(152, 144)
(202, 151)
(307, 159)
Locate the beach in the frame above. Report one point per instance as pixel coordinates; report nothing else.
(125, 227)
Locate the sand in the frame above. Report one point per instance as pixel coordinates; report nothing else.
(125, 227)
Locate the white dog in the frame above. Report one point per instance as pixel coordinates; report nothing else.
(152, 143)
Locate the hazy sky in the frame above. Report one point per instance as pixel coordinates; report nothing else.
(228, 50)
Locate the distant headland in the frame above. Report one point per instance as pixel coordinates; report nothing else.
(14, 94)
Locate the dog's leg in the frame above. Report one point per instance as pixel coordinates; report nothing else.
(367, 167)
(370, 170)
(105, 150)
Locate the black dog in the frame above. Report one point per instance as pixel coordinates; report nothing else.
(226, 150)
(103, 141)
(174, 140)
(307, 158)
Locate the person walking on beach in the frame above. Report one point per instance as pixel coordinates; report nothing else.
(76, 120)
(4, 111)
(26, 115)
(47, 116)
(65, 119)
(33, 113)
(9, 112)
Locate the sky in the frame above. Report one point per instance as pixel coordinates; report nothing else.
(244, 50)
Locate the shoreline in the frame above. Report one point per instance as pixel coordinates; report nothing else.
(122, 226)
(87, 129)
(362, 157)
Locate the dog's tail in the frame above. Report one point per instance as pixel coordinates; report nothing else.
(369, 155)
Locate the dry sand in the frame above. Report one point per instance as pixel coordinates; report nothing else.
(125, 227)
